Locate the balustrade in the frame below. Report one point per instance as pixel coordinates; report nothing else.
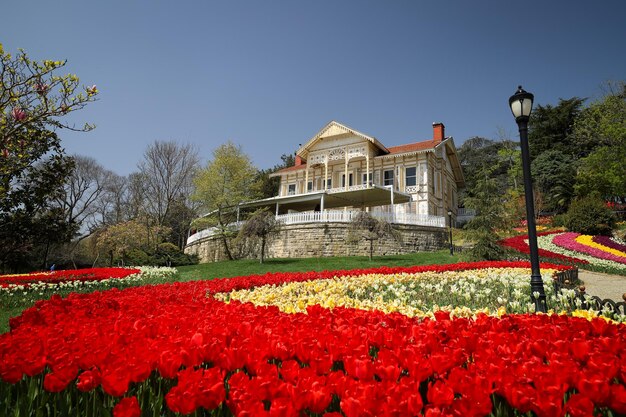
(336, 216)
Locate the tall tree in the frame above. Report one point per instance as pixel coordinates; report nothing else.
(554, 173)
(113, 207)
(33, 167)
(490, 203)
(550, 127)
(83, 192)
(228, 179)
(269, 186)
(167, 171)
(601, 129)
(477, 153)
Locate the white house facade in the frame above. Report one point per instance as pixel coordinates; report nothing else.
(341, 168)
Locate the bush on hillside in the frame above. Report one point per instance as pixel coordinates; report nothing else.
(590, 216)
(486, 248)
(166, 254)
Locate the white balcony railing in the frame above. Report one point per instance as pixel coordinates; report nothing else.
(338, 216)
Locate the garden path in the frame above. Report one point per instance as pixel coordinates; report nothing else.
(604, 285)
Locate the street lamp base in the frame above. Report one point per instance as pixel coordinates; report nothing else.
(537, 294)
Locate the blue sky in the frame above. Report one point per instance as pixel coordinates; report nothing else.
(269, 74)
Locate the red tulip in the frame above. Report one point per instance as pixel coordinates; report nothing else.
(127, 407)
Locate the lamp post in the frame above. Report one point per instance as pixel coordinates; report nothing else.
(450, 223)
(521, 104)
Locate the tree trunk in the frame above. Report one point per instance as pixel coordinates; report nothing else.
(262, 249)
(224, 239)
(371, 248)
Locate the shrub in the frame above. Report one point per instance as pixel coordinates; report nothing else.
(168, 254)
(486, 248)
(590, 216)
(136, 257)
(559, 220)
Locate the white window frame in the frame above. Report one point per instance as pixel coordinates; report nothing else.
(407, 177)
(350, 180)
(385, 179)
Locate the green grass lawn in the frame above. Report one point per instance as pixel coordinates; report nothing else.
(225, 269)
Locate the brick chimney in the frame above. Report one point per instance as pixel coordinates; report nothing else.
(298, 160)
(438, 132)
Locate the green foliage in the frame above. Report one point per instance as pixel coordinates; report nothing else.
(603, 123)
(589, 215)
(502, 158)
(559, 220)
(33, 166)
(602, 129)
(604, 172)
(491, 217)
(132, 243)
(554, 173)
(485, 248)
(228, 179)
(168, 254)
(268, 186)
(550, 127)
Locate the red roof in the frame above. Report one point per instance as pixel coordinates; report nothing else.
(291, 168)
(412, 147)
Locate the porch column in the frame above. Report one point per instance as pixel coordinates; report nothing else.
(325, 173)
(367, 170)
(322, 204)
(345, 171)
(393, 209)
(277, 208)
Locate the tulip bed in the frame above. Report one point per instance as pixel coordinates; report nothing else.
(20, 291)
(75, 278)
(195, 348)
(594, 252)
(65, 276)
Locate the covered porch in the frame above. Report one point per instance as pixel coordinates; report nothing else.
(338, 205)
(357, 196)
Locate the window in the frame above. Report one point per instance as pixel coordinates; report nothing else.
(343, 180)
(431, 179)
(329, 183)
(291, 189)
(388, 177)
(410, 177)
(309, 186)
(365, 179)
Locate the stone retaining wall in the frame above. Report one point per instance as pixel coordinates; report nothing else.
(323, 240)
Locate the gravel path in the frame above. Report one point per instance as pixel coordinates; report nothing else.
(604, 285)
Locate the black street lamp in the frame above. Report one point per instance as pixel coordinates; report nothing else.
(450, 223)
(521, 104)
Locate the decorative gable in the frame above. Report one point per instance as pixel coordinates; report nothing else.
(334, 129)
